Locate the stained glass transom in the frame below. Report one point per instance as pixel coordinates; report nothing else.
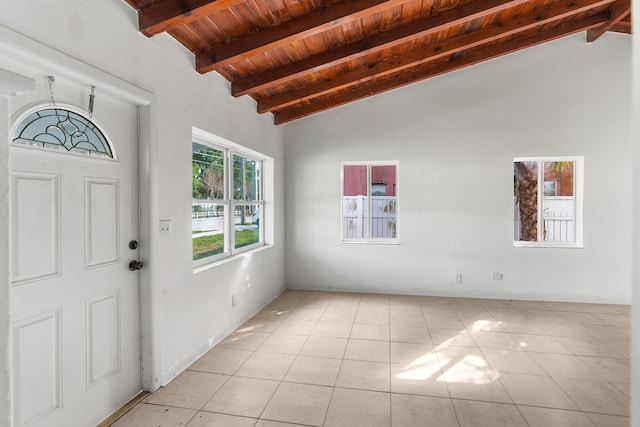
(62, 130)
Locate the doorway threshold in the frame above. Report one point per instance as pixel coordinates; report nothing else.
(124, 409)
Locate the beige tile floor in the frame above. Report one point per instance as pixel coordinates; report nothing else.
(349, 360)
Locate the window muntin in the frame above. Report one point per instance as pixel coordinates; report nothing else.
(548, 202)
(62, 129)
(222, 226)
(369, 202)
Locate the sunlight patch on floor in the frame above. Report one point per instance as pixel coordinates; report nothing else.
(421, 368)
(484, 325)
(470, 370)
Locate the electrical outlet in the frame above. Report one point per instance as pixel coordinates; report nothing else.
(458, 279)
(496, 276)
(165, 227)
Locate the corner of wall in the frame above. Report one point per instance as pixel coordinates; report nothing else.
(635, 196)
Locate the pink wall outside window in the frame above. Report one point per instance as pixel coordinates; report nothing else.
(355, 179)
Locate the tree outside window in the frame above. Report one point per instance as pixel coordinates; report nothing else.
(548, 201)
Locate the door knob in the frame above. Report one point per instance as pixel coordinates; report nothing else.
(133, 245)
(135, 265)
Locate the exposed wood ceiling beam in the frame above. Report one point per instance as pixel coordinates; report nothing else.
(428, 70)
(622, 27)
(299, 58)
(459, 43)
(169, 14)
(619, 10)
(287, 32)
(420, 28)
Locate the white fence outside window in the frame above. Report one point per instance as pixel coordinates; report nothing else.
(355, 217)
(559, 219)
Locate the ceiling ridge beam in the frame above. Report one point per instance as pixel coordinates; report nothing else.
(170, 14)
(623, 27)
(618, 11)
(387, 39)
(495, 31)
(428, 70)
(280, 35)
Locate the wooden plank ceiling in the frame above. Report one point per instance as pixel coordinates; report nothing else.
(300, 57)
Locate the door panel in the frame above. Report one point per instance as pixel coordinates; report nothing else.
(103, 337)
(37, 367)
(101, 222)
(35, 226)
(74, 304)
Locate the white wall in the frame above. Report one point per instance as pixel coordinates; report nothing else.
(635, 349)
(188, 312)
(455, 137)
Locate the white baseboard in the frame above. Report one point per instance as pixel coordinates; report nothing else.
(178, 368)
(469, 293)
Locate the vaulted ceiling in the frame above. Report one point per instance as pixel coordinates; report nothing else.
(300, 57)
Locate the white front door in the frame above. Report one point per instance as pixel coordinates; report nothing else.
(74, 303)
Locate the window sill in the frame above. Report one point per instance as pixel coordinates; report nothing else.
(371, 242)
(543, 245)
(236, 257)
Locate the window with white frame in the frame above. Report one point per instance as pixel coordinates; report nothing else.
(370, 202)
(227, 201)
(548, 201)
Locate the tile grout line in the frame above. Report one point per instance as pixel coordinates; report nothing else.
(457, 310)
(285, 374)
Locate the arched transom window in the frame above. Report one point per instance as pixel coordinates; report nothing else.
(62, 129)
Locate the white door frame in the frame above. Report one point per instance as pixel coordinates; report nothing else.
(11, 84)
(51, 62)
